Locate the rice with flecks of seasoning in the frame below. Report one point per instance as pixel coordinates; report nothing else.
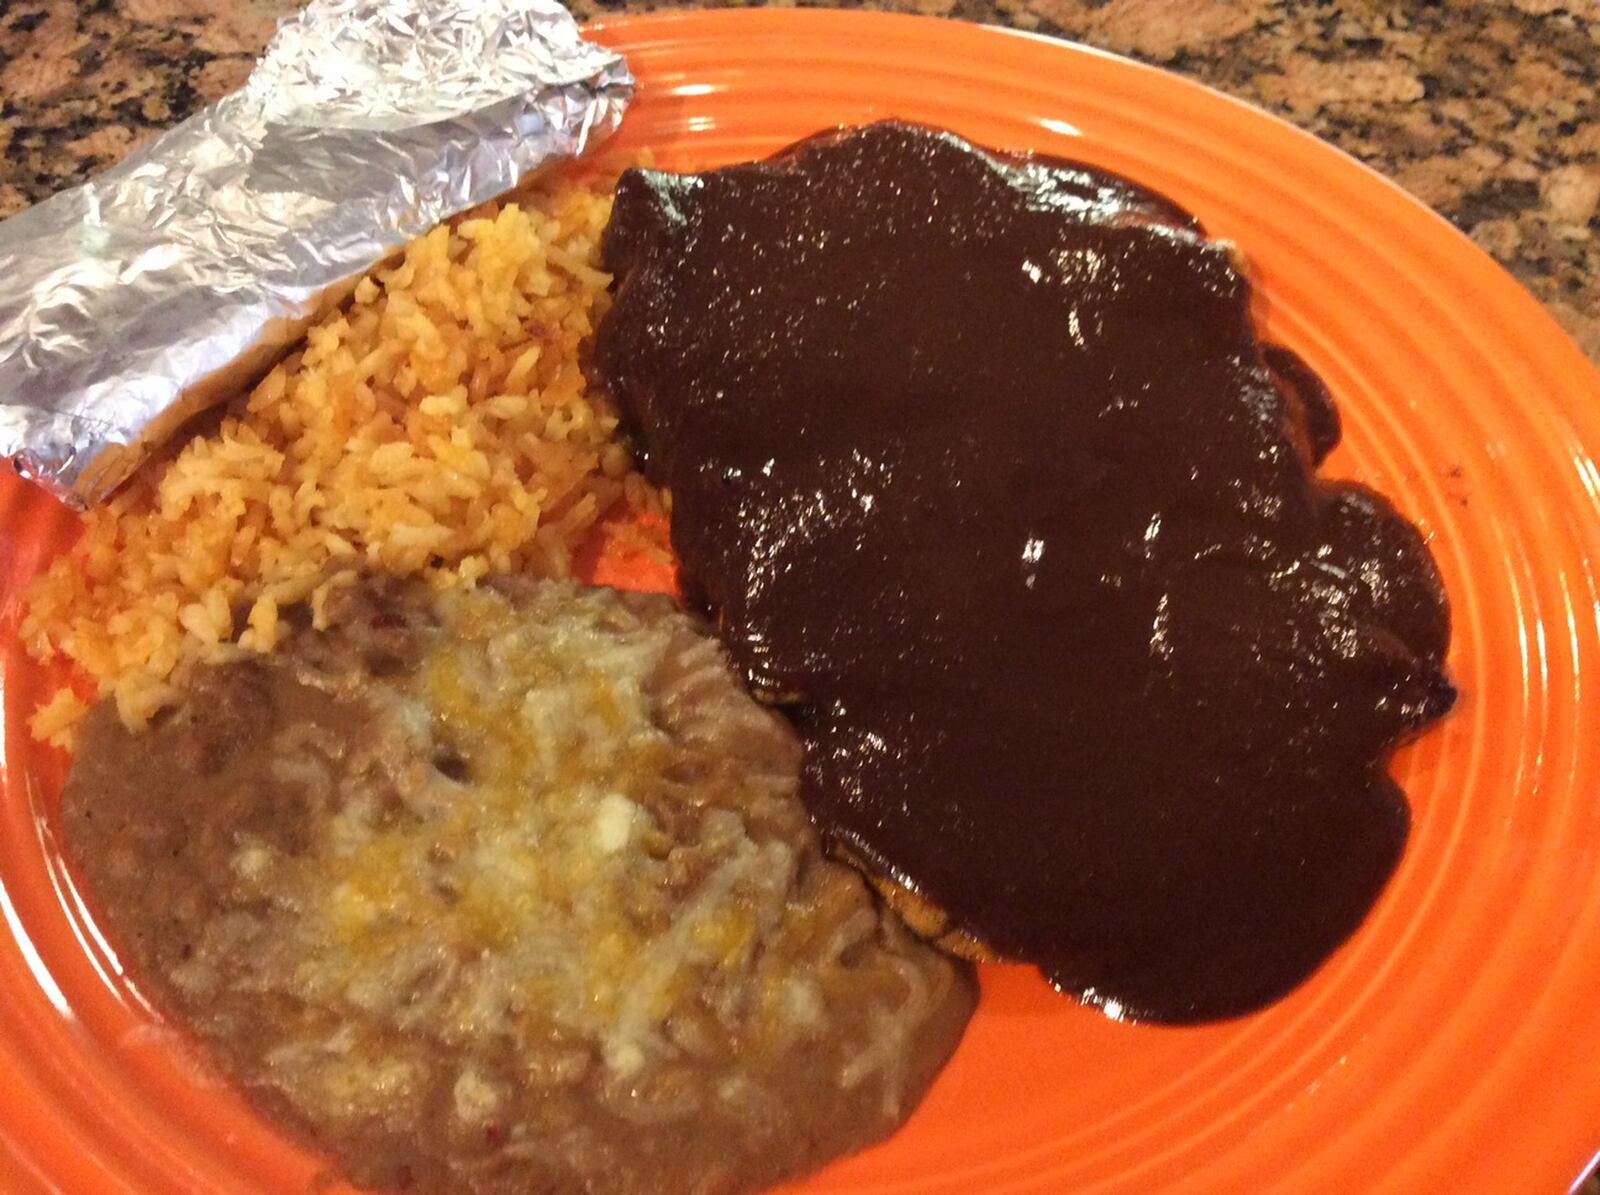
(438, 424)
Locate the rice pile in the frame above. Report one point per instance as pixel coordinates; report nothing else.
(438, 425)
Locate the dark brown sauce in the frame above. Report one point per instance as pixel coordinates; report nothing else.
(982, 469)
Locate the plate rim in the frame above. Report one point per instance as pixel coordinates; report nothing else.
(1586, 378)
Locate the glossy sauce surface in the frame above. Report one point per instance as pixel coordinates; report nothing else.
(984, 474)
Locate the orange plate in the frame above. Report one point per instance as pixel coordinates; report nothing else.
(1451, 1046)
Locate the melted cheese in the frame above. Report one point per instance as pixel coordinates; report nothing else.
(535, 891)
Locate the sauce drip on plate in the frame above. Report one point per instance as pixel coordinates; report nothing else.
(981, 467)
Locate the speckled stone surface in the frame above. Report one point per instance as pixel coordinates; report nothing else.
(1489, 111)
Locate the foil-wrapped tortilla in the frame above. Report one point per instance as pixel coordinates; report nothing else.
(173, 279)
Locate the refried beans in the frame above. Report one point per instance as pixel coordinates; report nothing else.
(981, 468)
(507, 891)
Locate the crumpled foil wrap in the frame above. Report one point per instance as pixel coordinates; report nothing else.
(174, 279)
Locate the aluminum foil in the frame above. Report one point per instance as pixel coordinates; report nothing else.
(177, 277)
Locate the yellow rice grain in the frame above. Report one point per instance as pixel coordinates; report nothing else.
(438, 425)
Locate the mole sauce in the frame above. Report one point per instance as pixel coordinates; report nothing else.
(983, 472)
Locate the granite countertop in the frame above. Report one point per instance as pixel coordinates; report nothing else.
(1489, 111)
